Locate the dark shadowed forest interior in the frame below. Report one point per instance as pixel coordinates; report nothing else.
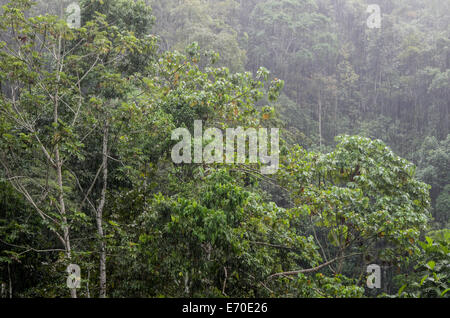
(93, 204)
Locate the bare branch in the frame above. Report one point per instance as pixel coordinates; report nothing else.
(310, 270)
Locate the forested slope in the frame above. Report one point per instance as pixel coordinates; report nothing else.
(391, 83)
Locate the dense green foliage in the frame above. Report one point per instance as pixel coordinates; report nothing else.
(86, 175)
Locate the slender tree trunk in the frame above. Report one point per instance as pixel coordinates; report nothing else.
(10, 283)
(340, 262)
(336, 102)
(62, 205)
(59, 162)
(100, 214)
(66, 235)
(61, 201)
(88, 293)
(320, 120)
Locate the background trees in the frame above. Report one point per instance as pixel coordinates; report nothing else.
(342, 77)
